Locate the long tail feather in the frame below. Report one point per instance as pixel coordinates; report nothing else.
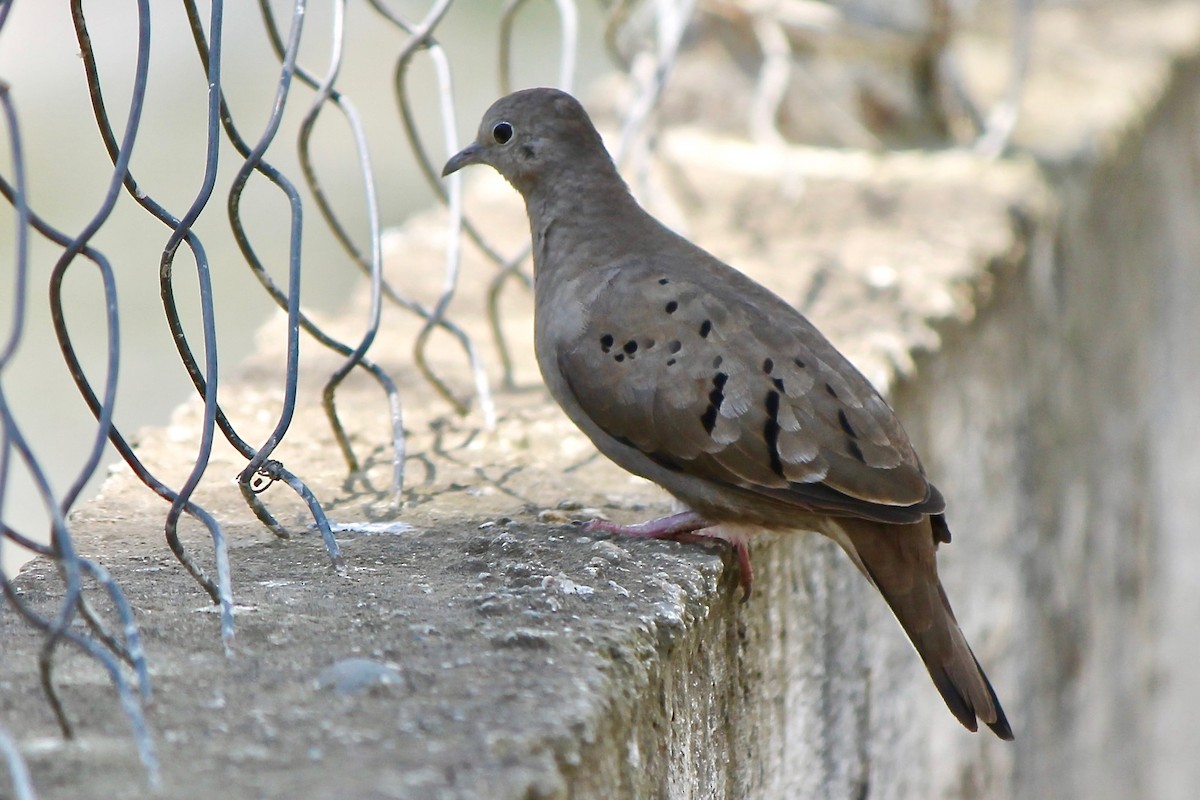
(901, 561)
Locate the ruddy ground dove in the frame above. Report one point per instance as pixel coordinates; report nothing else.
(685, 371)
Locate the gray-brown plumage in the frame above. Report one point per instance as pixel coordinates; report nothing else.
(683, 370)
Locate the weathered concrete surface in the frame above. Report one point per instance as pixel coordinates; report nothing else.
(1041, 332)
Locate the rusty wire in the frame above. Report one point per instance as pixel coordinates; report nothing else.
(104, 647)
(420, 38)
(106, 631)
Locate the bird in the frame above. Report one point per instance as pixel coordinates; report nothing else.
(685, 371)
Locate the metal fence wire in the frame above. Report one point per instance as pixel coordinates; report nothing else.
(643, 40)
(113, 641)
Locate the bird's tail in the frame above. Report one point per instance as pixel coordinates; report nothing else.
(900, 560)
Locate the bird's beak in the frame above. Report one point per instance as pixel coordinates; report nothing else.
(468, 155)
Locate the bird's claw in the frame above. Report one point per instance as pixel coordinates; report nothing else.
(685, 527)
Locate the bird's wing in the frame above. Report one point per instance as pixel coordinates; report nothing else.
(715, 376)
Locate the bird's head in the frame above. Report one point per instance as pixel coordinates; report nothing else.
(533, 136)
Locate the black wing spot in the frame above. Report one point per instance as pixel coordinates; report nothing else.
(771, 433)
(606, 342)
(778, 383)
(715, 398)
(854, 450)
(718, 361)
(832, 392)
(705, 328)
(768, 366)
(630, 347)
(619, 357)
(663, 281)
(844, 421)
(799, 363)
(670, 362)
(672, 307)
(674, 346)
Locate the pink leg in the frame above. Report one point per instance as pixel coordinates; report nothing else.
(687, 526)
(661, 528)
(745, 573)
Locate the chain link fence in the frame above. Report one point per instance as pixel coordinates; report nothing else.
(310, 52)
(109, 635)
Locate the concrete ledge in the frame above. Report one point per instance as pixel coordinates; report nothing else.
(1035, 334)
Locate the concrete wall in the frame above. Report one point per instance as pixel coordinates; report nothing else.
(1077, 391)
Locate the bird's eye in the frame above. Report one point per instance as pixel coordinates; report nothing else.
(502, 132)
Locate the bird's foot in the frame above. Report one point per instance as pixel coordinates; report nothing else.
(687, 526)
(661, 528)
